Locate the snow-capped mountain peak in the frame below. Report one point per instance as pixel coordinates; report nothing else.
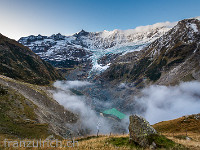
(88, 47)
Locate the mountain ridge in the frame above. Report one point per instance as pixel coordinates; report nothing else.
(19, 62)
(89, 47)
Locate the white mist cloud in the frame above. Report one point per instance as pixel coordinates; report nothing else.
(165, 103)
(88, 118)
(156, 25)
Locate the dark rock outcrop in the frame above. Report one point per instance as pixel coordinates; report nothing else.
(139, 130)
(108, 58)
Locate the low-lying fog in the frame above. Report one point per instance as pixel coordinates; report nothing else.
(159, 102)
(165, 103)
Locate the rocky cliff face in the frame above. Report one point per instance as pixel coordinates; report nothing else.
(172, 58)
(19, 62)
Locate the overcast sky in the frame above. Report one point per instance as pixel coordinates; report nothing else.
(32, 17)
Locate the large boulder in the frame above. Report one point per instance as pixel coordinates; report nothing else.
(140, 130)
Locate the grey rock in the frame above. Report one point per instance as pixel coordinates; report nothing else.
(188, 138)
(153, 145)
(139, 130)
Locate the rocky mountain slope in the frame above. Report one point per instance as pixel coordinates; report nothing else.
(172, 58)
(19, 62)
(29, 111)
(87, 48)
